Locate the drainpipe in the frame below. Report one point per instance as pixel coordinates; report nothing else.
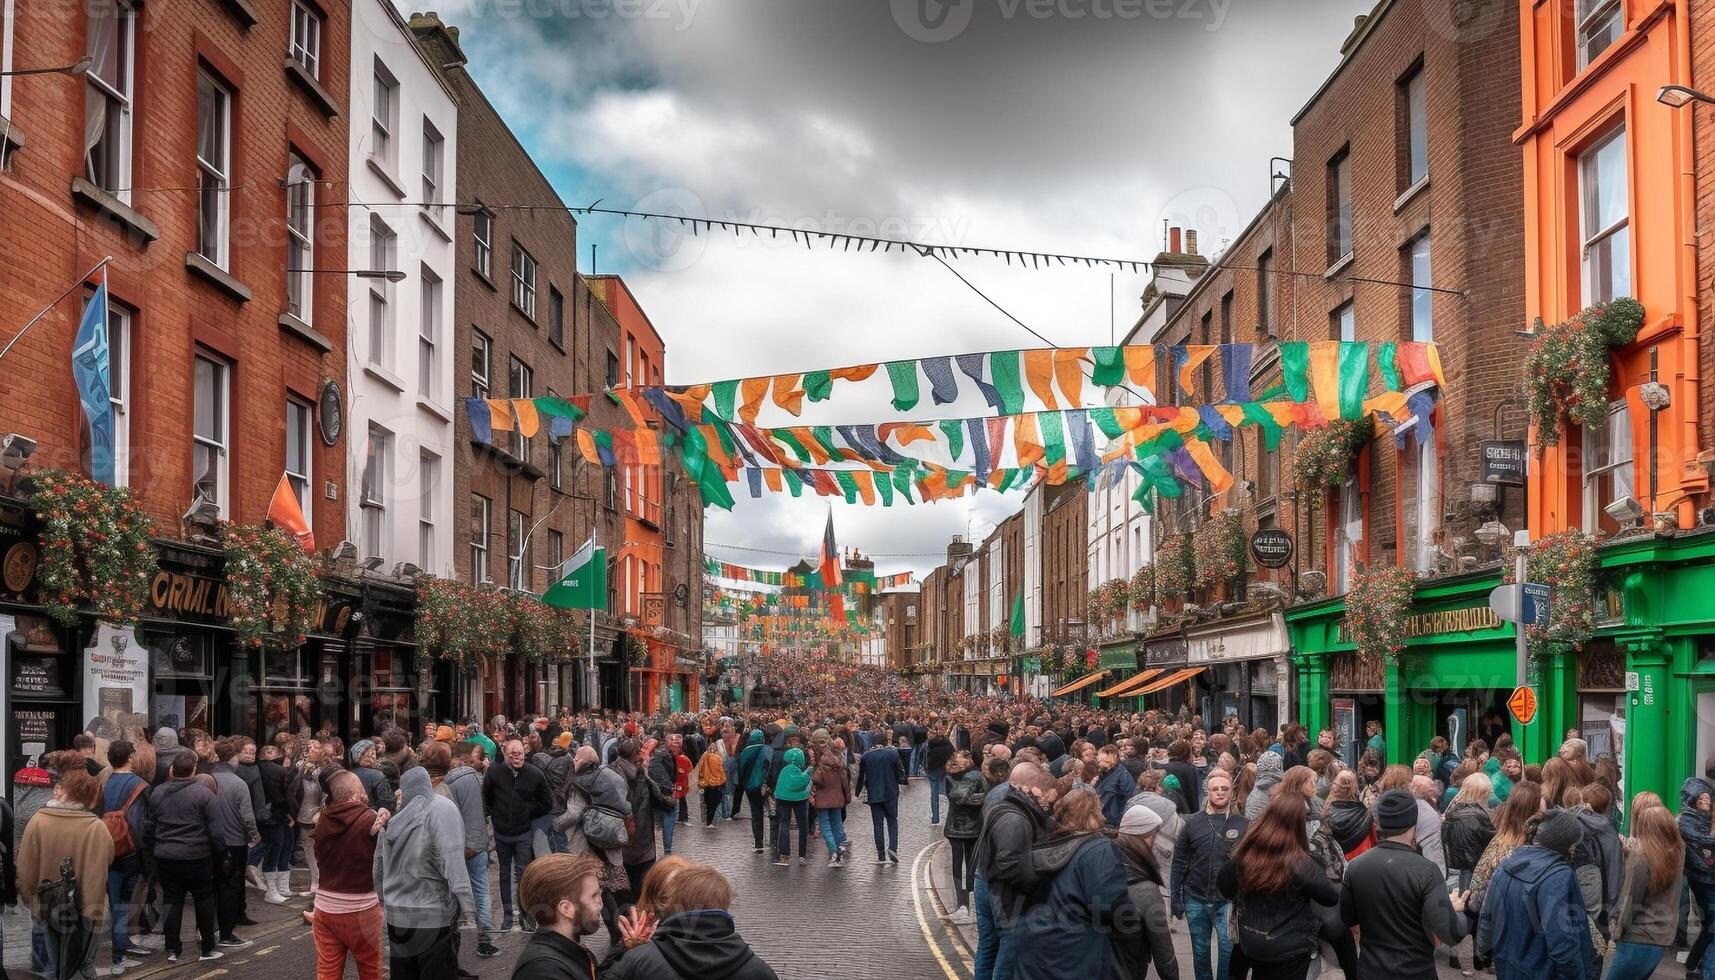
(1687, 399)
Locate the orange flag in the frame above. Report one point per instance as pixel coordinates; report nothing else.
(866, 487)
(628, 400)
(1026, 440)
(288, 515)
(1325, 376)
(586, 446)
(648, 446)
(907, 432)
(1039, 371)
(755, 389)
(1219, 479)
(1140, 365)
(524, 410)
(859, 372)
(772, 478)
(788, 393)
(499, 414)
(1195, 355)
(1069, 372)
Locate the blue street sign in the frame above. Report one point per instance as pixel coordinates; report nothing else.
(1535, 603)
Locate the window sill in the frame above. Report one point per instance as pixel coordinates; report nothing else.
(520, 311)
(199, 264)
(438, 411)
(320, 96)
(1340, 265)
(380, 170)
(246, 14)
(483, 278)
(83, 190)
(11, 138)
(1406, 196)
(434, 223)
(305, 332)
(509, 461)
(385, 376)
(557, 345)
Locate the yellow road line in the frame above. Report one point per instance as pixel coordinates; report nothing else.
(954, 934)
(923, 923)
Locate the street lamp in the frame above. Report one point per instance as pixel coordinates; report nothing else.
(1678, 96)
(78, 67)
(390, 275)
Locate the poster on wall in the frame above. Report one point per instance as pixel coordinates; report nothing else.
(1345, 725)
(115, 674)
(7, 623)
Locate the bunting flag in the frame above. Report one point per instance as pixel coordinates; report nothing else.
(287, 514)
(903, 375)
(942, 388)
(1039, 374)
(1069, 373)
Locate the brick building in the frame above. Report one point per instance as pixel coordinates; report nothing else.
(1065, 572)
(896, 612)
(170, 155)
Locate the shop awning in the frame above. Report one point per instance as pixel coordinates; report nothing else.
(1177, 677)
(1079, 684)
(1125, 688)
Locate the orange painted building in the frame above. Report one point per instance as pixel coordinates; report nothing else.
(657, 568)
(1610, 212)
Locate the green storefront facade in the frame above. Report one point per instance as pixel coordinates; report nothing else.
(1643, 687)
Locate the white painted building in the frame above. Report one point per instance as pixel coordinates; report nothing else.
(404, 122)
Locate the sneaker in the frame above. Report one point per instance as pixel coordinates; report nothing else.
(783, 863)
(213, 954)
(143, 945)
(233, 942)
(506, 924)
(834, 861)
(121, 965)
(893, 857)
(756, 850)
(881, 860)
(486, 948)
(172, 957)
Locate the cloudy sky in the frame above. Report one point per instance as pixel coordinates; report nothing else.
(1055, 125)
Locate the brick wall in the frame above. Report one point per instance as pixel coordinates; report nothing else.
(52, 238)
(1702, 79)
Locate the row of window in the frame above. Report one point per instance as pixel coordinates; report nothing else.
(523, 276)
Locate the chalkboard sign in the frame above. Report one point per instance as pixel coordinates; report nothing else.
(36, 726)
(1345, 724)
(37, 677)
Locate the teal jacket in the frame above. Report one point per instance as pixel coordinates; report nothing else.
(752, 762)
(794, 784)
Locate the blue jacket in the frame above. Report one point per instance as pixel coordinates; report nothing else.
(1533, 919)
(1114, 789)
(1694, 828)
(880, 769)
(1082, 881)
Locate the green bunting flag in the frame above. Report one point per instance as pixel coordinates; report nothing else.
(903, 374)
(1003, 374)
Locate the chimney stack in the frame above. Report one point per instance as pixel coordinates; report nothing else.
(1173, 241)
(1191, 241)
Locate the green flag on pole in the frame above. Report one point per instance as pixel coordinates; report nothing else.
(1017, 627)
(583, 585)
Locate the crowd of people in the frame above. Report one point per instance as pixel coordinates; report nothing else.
(1075, 837)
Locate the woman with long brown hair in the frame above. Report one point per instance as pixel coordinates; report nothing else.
(1512, 821)
(1272, 880)
(1558, 776)
(1648, 911)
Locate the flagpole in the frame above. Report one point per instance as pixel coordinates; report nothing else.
(99, 267)
(590, 671)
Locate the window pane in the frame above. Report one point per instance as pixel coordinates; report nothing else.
(297, 428)
(1417, 100)
(1422, 305)
(1606, 187)
(205, 399)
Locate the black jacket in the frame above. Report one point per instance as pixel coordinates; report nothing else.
(1466, 829)
(1190, 786)
(1051, 745)
(1350, 823)
(181, 823)
(514, 797)
(1275, 926)
(936, 755)
(276, 791)
(551, 956)
(1011, 826)
(702, 944)
(1200, 853)
(1398, 898)
(965, 794)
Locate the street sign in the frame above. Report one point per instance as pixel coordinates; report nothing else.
(1271, 547)
(1526, 604)
(1503, 463)
(1523, 705)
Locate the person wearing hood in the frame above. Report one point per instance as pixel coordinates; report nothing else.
(1350, 822)
(831, 793)
(1533, 922)
(690, 933)
(1268, 772)
(1150, 793)
(639, 850)
(1599, 861)
(66, 828)
(347, 918)
(592, 784)
(1398, 898)
(1081, 878)
(752, 769)
(1697, 830)
(791, 795)
(363, 758)
(463, 786)
(965, 792)
(1147, 937)
(1006, 872)
(419, 873)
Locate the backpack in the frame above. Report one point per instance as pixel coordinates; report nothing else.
(120, 828)
(603, 827)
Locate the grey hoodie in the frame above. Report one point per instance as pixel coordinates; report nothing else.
(464, 788)
(235, 793)
(419, 861)
(1268, 772)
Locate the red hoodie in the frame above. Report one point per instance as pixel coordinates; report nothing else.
(345, 849)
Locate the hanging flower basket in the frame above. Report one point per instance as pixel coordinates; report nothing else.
(273, 586)
(1376, 609)
(1323, 459)
(1568, 369)
(1142, 588)
(1567, 561)
(1115, 595)
(96, 553)
(1175, 566)
(1220, 550)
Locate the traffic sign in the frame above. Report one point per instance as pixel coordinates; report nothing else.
(1527, 603)
(1523, 704)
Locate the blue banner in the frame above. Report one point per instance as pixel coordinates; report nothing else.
(92, 374)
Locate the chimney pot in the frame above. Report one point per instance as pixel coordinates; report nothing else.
(1173, 241)
(1191, 241)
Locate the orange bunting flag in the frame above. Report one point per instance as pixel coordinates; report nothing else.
(755, 389)
(866, 487)
(1039, 371)
(1233, 414)
(648, 446)
(1140, 365)
(859, 372)
(1186, 419)
(586, 447)
(789, 393)
(499, 414)
(811, 444)
(1027, 440)
(1391, 403)
(524, 411)
(1325, 376)
(1195, 355)
(1069, 373)
(1219, 479)
(288, 515)
(1129, 417)
(691, 400)
(772, 478)
(907, 432)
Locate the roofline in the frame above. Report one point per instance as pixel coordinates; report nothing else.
(1375, 15)
(634, 302)
(410, 37)
(1208, 276)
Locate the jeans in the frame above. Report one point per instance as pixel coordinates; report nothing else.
(731, 795)
(477, 867)
(1201, 917)
(277, 841)
(79, 944)
(885, 816)
(997, 942)
(665, 819)
(177, 879)
(785, 813)
(515, 854)
(832, 823)
(1698, 958)
(421, 954)
(937, 786)
(964, 868)
(1635, 961)
(712, 799)
(230, 888)
(121, 882)
(917, 759)
(357, 933)
(755, 798)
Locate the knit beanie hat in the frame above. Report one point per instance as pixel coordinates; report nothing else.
(1559, 831)
(357, 751)
(1396, 812)
(444, 733)
(1139, 820)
